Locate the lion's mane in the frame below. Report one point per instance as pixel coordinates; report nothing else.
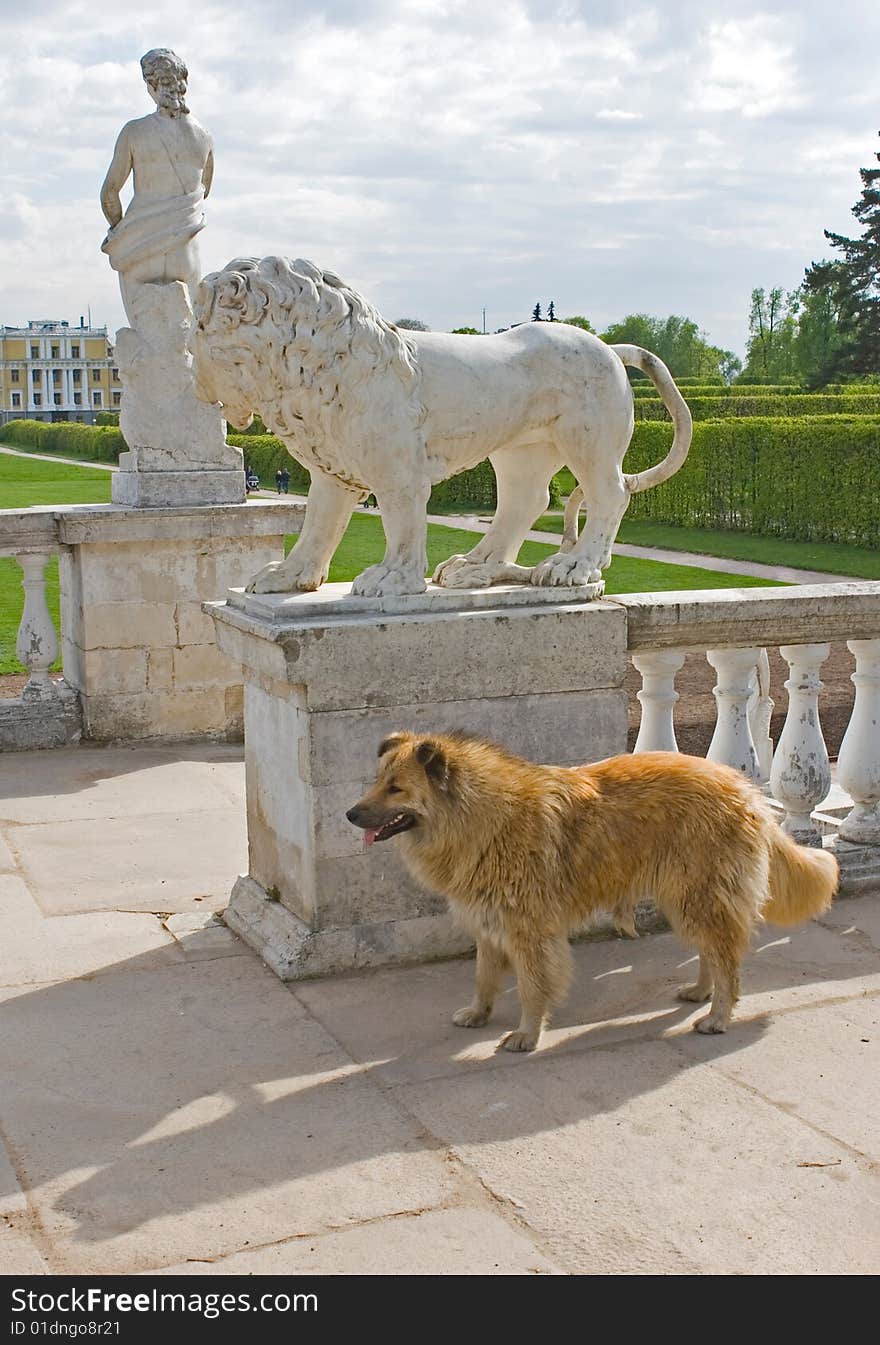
(310, 349)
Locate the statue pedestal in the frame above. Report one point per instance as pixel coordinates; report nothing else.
(136, 644)
(327, 676)
(178, 454)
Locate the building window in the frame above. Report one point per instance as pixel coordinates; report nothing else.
(96, 399)
(35, 352)
(14, 375)
(76, 375)
(115, 375)
(96, 375)
(38, 376)
(16, 399)
(57, 398)
(38, 401)
(117, 398)
(56, 350)
(56, 375)
(74, 352)
(77, 399)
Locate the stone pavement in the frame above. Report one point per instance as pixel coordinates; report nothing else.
(167, 1104)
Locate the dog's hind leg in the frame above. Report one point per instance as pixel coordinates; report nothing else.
(725, 972)
(492, 963)
(543, 972)
(702, 988)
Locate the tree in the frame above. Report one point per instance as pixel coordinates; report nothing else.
(852, 286)
(582, 322)
(536, 313)
(678, 341)
(466, 331)
(551, 312)
(770, 353)
(821, 342)
(412, 325)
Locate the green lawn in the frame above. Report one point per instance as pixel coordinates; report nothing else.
(27, 481)
(830, 557)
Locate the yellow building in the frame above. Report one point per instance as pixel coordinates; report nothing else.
(52, 371)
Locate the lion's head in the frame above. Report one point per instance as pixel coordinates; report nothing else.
(300, 347)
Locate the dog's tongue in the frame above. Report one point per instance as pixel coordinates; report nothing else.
(370, 835)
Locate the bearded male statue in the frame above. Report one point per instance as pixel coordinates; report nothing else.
(172, 159)
(178, 452)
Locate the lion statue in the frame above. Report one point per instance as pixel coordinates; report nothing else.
(367, 408)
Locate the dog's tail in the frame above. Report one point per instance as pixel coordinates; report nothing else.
(677, 407)
(803, 880)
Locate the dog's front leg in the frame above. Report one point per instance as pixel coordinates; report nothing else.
(492, 963)
(543, 972)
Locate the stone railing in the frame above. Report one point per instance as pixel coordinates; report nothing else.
(734, 628)
(140, 658)
(47, 713)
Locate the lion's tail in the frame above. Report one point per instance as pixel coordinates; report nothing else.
(803, 880)
(676, 406)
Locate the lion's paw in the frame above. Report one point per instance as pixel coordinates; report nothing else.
(279, 577)
(462, 572)
(385, 581)
(565, 569)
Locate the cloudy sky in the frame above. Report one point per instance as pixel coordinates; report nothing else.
(445, 155)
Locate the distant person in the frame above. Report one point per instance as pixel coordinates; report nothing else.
(285, 480)
(278, 478)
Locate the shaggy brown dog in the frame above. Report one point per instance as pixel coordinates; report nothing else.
(526, 853)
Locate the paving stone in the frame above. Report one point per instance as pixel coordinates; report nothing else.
(462, 1241)
(189, 1111)
(141, 862)
(639, 1160)
(38, 949)
(18, 1255)
(84, 783)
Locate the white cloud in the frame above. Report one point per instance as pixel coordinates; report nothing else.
(446, 154)
(747, 66)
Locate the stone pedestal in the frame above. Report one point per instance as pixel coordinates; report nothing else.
(135, 641)
(327, 676)
(177, 450)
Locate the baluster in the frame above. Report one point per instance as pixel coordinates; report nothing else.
(37, 643)
(801, 774)
(858, 763)
(760, 715)
(657, 699)
(732, 741)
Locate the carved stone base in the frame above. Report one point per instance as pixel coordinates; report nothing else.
(28, 723)
(162, 490)
(294, 951)
(859, 866)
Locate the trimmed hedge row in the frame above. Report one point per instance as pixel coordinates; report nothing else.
(102, 443)
(807, 478)
(718, 408)
(472, 489)
(764, 390)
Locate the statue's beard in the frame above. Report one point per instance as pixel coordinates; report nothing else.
(174, 104)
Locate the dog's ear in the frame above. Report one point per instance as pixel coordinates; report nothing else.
(386, 745)
(431, 755)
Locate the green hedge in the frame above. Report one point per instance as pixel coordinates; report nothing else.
(764, 390)
(808, 478)
(810, 404)
(102, 443)
(107, 418)
(473, 489)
